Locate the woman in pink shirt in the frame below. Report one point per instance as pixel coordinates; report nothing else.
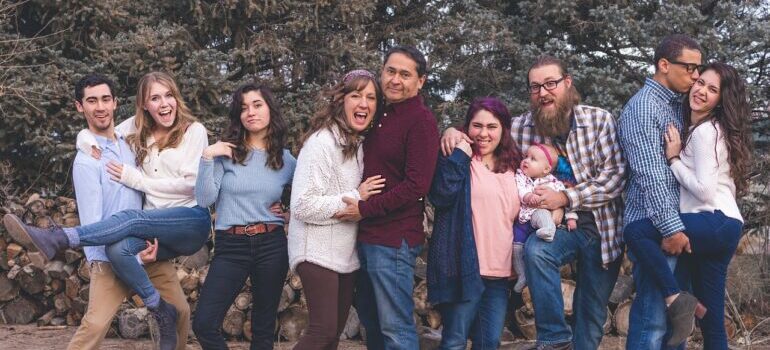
(476, 200)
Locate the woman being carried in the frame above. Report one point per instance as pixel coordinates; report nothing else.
(167, 142)
(712, 167)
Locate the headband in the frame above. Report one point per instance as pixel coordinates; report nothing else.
(357, 73)
(547, 154)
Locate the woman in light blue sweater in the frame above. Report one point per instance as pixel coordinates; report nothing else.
(244, 175)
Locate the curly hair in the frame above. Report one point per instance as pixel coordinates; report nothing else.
(237, 134)
(331, 111)
(145, 124)
(507, 154)
(732, 114)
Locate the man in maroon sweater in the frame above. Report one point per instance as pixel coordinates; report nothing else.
(403, 148)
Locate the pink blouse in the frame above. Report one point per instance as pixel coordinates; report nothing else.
(494, 207)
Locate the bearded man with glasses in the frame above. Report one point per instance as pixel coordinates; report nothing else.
(590, 158)
(652, 198)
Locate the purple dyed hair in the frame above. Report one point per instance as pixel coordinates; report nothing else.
(507, 153)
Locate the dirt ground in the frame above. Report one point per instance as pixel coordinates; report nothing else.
(29, 337)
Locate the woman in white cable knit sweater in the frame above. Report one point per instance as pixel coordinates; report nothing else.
(322, 249)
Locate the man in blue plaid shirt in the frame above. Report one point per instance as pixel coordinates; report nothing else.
(590, 158)
(653, 192)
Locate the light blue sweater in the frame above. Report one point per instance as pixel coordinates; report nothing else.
(243, 194)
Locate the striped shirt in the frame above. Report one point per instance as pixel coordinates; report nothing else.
(598, 164)
(653, 192)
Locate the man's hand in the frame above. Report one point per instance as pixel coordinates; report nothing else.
(676, 244)
(450, 139)
(550, 199)
(351, 212)
(149, 254)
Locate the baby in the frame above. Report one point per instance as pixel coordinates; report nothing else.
(535, 170)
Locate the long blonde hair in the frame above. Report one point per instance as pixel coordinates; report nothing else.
(145, 124)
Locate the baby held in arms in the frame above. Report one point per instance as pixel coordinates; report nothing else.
(536, 170)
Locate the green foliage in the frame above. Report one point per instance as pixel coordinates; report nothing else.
(475, 48)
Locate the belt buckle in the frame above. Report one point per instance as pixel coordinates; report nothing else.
(246, 230)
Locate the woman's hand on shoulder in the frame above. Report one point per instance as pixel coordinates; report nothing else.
(220, 148)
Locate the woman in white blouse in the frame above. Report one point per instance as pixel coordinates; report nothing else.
(167, 142)
(711, 162)
(322, 249)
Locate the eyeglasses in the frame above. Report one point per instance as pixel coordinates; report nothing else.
(690, 67)
(548, 85)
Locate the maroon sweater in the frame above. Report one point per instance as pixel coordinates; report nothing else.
(403, 148)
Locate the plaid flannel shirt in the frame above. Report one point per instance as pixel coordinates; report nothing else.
(653, 192)
(599, 166)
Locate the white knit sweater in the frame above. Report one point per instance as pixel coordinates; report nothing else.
(322, 177)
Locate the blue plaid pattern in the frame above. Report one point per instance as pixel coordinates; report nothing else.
(653, 192)
(599, 167)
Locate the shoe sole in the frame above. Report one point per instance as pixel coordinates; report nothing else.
(15, 228)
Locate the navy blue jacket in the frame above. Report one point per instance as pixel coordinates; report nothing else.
(453, 263)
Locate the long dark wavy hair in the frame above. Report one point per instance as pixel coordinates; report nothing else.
(507, 154)
(331, 111)
(276, 128)
(732, 113)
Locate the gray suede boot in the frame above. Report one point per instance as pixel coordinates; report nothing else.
(47, 241)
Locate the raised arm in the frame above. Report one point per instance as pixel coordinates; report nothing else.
(448, 180)
(210, 172)
(703, 178)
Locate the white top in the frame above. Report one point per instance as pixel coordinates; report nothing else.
(526, 185)
(704, 173)
(167, 178)
(322, 177)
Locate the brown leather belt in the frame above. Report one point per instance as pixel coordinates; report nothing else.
(252, 229)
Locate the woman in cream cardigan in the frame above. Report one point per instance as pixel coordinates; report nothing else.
(329, 167)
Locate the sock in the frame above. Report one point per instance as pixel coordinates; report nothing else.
(72, 236)
(518, 266)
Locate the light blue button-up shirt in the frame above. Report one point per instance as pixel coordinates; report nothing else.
(97, 195)
(652, 192)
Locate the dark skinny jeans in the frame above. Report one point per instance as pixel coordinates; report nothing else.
(264, 259)
(713, 239)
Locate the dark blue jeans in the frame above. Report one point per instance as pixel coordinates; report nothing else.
(713, 239)
(264, 259)
(383, 296)
(482, 317)
(180, 231)
(592, 293)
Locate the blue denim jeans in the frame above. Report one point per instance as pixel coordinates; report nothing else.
(383, 296)
(647, 326)
(592, 293)
(264, 259)
(713, 239)
(179, 230)
(482, 317)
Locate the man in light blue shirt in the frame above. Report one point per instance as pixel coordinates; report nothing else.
(652, 199)
(99, 197)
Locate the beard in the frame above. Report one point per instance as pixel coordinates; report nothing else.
(555, 122)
